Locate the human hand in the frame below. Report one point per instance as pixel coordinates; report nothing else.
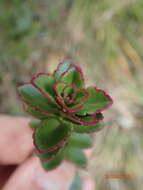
(20, 170)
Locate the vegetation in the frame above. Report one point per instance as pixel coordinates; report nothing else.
(106, 37)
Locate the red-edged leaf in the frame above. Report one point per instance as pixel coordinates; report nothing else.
(82, 95)
(97, 102)
(51, 135)
(62, 68)
(70, 93)
(59, 89)
(36, 113)
(89, 120)
(67, 117)
(55, 161)
(44, 82)
(73, 75)
(87, 129)
(48, 155)
(31, 96)
(69, 109)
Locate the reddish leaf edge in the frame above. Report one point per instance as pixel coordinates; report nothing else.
(59, 145)
(51, 157)
(78, 69)
(40, 89)
(65, 98)
(71, 115)
(91, 132)
(61, 63)
(60, 100)
(95, 120)
(68, 113)
(87, 94)
(85, 97)
(27, 103)
(76, 65)
(66, 108)
(108, 98)
(81, 121)
(28, 112)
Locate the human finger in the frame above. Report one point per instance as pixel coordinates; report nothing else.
(15, 139)
(30, 175)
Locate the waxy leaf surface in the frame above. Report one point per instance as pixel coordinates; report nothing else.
(51, 135)
(97, 101)
(87, 129)
(62, 68)
(80, 141)
(73, 76)
(32, 96)
(55, 162)
(76, 156)
(44, 83)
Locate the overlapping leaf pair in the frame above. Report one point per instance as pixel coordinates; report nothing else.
(65, 107)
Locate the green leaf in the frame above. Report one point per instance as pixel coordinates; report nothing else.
(86, 118)
(74, 107)
(69, 90)
(51, 134)
(55, 162)
(87, 129)
(80, 141)
(59, 87)
(96, 101)
(33, 96)
(63, 67)
(34, 123)
(77, 183)
(73, 76)
(81, 95)
(36, 113)
(68, 119)
(45, 83)
(76, 156)
(48, 155)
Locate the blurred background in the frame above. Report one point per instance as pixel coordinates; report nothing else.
(106, 38)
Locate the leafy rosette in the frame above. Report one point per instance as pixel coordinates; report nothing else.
(63, 94)
(64, 106)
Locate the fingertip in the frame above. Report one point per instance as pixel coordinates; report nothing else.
(15, 139)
